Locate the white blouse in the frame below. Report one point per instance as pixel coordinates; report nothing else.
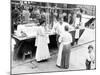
(41, 36)
(90, 56)
(77, 33)
(65, 37)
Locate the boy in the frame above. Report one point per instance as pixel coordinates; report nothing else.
(90, 57)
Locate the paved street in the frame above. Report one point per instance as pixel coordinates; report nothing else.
(77, 62)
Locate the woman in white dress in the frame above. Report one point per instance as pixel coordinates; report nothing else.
(42, 40)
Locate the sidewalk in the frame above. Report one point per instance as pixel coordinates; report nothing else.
(87, 36)
(77, 62)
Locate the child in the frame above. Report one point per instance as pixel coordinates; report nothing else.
(90, 57)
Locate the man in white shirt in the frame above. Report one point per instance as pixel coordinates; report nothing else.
(59, 26)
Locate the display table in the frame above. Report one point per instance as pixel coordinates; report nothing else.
(28, 43)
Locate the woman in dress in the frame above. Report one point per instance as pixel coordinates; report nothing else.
(42, 40)
(65, 40)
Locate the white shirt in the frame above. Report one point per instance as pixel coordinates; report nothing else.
(90, 56)
(77, 33)
(65, 37)
(41, 36)
(57, 28)
(77, 21)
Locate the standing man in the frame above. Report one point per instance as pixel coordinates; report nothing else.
(65, 40)
(58, 28)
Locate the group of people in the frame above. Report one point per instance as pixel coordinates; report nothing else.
(64, 38)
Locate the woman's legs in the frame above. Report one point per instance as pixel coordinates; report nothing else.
(65, 56)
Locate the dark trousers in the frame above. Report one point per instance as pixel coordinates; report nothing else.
(76, 41)
(88, 65)
(57, 37)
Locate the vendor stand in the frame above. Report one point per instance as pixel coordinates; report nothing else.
(26, 42)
